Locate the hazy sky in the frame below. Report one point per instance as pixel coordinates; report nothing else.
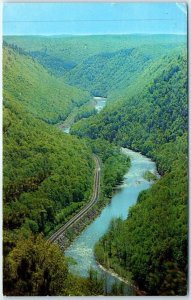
(94, 18)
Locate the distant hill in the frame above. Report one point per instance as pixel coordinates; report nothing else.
(61, 54)
(109, 73)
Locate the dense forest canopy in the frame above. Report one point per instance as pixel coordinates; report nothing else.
(155, 115)
(48, 175)
(111, 72)
(41, 93)
(152, 242)
(100, 64)
(153, 121)
(79, 48)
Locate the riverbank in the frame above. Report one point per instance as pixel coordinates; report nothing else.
(77, 228)
(92, 107)
(82, 249)
(111, 171)
(122, 279)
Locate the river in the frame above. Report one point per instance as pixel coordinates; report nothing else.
(82, 248)
(98, 102)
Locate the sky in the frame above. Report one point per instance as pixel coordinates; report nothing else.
(94, 18)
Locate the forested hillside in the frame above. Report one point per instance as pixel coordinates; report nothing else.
(153, 115)
(108, 74)
(48, 175)
(60, 54)
(102, 65)
(152, 247)
(49, 172)
(103, 73)
(48, 178)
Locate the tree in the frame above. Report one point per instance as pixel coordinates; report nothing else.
(35, 268)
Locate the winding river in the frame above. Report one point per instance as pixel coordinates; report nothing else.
(98, 102)
(82, 249)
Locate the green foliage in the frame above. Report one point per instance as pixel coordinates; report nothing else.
(100, 64)
(154, 116)
(85, 111)
(48, 175)
(35, 268)
(44, 172)
(114, 164)
(150, 176)
(103, 73)
(77, 49)
(44, 95)
(159, 241)
(154, 246)
(78, 113)
(107, 72)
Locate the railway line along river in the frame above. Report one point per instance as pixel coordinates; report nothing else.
(82, 249)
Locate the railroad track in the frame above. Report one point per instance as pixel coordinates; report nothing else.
(96, 188)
